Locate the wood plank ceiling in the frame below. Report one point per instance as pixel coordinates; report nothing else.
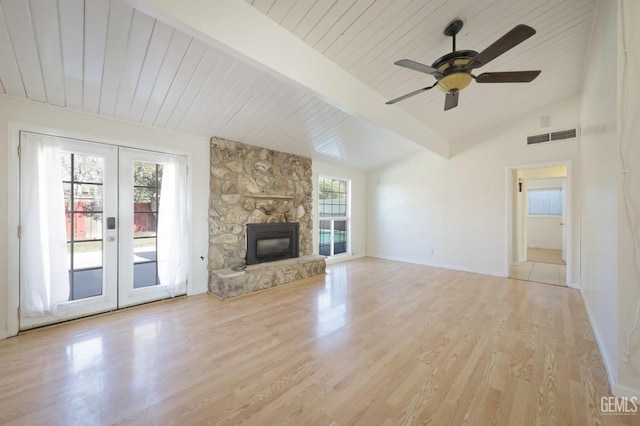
(365, 37)
(105, 57)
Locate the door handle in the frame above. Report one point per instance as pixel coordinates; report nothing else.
(111, 238)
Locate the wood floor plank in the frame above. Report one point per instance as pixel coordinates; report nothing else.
(372, 342)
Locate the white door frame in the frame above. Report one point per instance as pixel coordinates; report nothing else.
(568, 208)
(13, 200)
(108, 299)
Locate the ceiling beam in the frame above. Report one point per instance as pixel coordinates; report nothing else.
(241, 30)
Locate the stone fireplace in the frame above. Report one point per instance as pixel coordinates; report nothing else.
(253, 185)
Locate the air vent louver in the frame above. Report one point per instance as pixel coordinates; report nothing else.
(563, 134)
(538, 139)
(553, 136)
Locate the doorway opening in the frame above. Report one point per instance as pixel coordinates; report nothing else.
(539, 223)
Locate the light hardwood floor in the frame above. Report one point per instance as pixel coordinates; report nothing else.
(372, 342)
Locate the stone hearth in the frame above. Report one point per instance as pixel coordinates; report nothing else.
(226, 283)
(256, 185)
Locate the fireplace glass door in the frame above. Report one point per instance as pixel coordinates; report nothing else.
(271, 241)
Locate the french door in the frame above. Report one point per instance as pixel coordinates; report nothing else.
(89, 217)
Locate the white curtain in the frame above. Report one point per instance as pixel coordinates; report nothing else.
(173, 226)
(44, 268)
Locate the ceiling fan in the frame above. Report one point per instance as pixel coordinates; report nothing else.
(453, 70)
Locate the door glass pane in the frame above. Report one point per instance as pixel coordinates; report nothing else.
(145, 199)
(87, 197)
(144, 250)
(87, 168)
(83, 187)
(144, 225)
(86, 226)
(145, 275)
(86, 278)
(147, 178)
(148, 175)
(65, 160)
(86, 283)
(87, 254)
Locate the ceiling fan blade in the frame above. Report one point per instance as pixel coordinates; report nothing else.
(517, 35)
(507, 77)
(451, 100)
(417, 66)
(408, 95)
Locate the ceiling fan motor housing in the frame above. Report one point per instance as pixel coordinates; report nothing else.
(453, 68)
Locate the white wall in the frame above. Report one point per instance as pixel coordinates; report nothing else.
(454, 213)
(600, 169)
(629, 183)
(358, 207)
(99, 129)
(610, 155)
(545, 173)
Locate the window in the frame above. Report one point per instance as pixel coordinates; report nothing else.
(333, 206)
(547, 201)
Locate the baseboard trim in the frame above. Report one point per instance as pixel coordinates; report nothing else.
(340, 259)
(622, 391)
(608, 367)
(443, 266)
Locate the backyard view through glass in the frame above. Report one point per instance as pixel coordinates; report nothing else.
(82, 177)
(82, 180)
(147, 178)
(334, 216)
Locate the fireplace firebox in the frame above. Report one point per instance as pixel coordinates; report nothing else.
(267, 242)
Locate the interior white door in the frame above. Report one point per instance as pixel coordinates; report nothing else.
(82, 182)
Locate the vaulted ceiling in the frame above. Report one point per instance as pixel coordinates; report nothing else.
(303, 76)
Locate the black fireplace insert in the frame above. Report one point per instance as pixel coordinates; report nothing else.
(267, 242)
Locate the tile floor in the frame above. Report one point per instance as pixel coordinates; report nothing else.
(540, 272)
(545, 256)
(549, 273)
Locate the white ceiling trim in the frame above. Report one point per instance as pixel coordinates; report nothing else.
(243, 29)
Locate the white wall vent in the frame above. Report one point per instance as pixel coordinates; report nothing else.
(552, 136)
(564, 134)
(531, 140)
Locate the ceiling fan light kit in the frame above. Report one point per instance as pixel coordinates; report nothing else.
(453, 70)
(455, 81)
